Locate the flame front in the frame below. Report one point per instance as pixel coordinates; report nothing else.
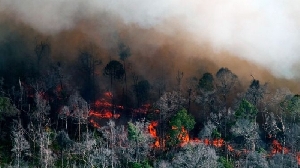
(152, 130)
(104, 109)
(278, 148)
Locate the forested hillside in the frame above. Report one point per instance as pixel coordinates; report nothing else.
(111, 111)
(149, 84)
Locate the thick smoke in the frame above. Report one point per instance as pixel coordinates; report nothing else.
(265, 32)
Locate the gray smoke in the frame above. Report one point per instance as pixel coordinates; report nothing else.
(265, 32)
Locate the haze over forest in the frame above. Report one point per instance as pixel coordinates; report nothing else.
(80, 71)
(263, 33)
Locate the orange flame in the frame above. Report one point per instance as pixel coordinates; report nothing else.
(104, 115)
(230, 148)
(183, 136)
(152, 130)
(218, 143)
(144, 109)
(277, 148)
(94, 123)
(103, 110)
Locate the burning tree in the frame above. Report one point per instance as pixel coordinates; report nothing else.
(168, 104)
(180, 124)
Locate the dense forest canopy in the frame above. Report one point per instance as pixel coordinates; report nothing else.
(97, 88)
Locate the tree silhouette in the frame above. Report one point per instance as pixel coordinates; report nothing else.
(87, 65)
(206, 82)
(115, 70)
(142, 91)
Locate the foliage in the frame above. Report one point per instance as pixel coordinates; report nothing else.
(140, 142)
(216, 134)
(6, 108)
(40, 139)
(144, 164)
(226, 163)
(182, 120)
(133, 133)
(246, 110)
(292, 107)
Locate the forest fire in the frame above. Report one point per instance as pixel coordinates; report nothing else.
(94, 123)
(104, 109)
(217, 143)
(278, 148)
(183, 136)
(104, 115)
(152, 130)
(143, 109)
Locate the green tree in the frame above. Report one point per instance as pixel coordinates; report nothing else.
(6, 108)
(133, 133)
(292, 107)
(226, 163)
(179, 122)
(139, 142)
(246, 110)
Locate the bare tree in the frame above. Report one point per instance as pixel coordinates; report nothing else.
(195, 155)
(47, 157)
(21, 147)
(79, 111)
(247, 129)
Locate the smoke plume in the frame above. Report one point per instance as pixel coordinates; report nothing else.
(263, 32)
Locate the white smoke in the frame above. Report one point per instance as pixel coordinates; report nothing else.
(266, 32)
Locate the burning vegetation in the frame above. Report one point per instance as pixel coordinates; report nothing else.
(114, 100)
